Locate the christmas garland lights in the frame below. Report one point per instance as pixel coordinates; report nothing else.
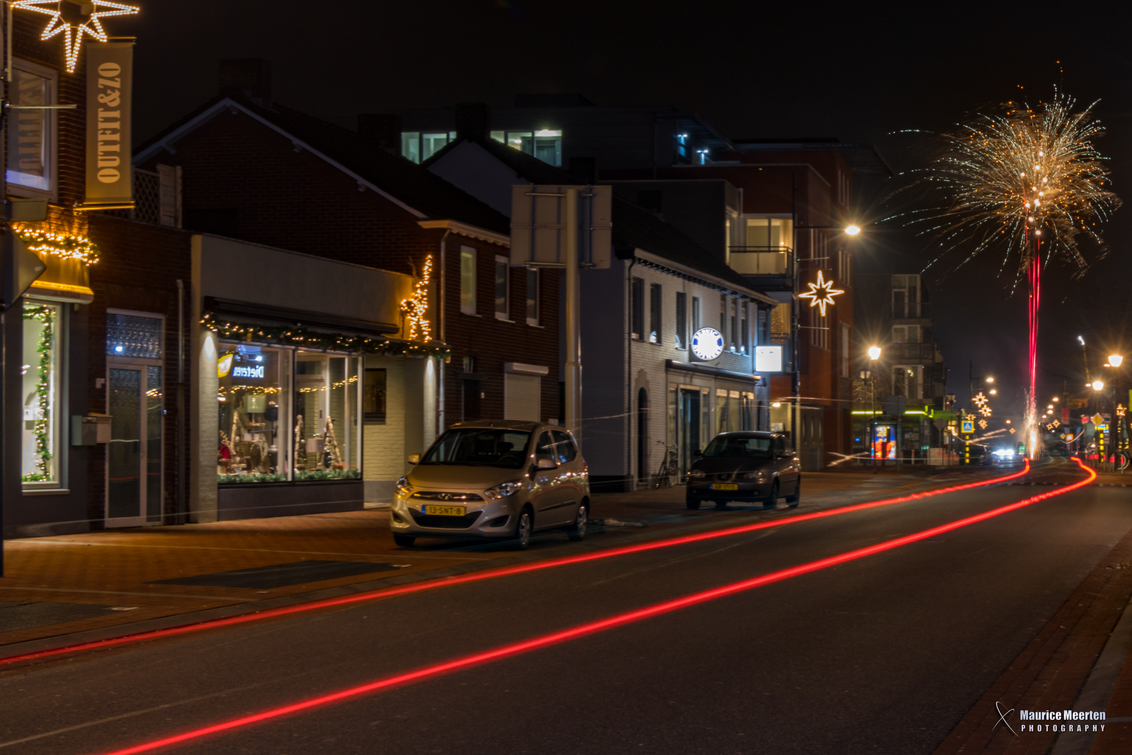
(42, 428)
(416, 308)
(297, 335)
(60, 245)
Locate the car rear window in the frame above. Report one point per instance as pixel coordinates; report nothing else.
(742, 447)
(479, 447)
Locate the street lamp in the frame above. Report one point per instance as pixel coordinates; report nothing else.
(1114, 360)
(1098, 385)
(852, 230)
(990, 379)
(874, 353)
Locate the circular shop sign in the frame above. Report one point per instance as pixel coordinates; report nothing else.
(707, 344)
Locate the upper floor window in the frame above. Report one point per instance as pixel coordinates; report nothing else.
(770, 233)
(654, 313)
(546, 144)
(745, 331)
(532, 296)
(32, 133)
(637, 303)
(467, 280)
(697, 314)
(419, 146)
(502, 288)
(681, 320)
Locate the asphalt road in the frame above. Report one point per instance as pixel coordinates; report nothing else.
(880, 655)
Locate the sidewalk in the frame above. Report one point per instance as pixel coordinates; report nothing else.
(103, 584)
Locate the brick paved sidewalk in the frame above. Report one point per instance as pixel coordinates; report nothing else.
(67, 584)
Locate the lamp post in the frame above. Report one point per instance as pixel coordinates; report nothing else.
(874, 355)
(1114, 361)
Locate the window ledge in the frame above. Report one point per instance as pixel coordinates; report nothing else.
(46, 491)
(502, 317)
(533, 323)
(472, 313)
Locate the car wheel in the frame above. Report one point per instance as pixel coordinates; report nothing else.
(772, 499)
(577, 530)
(797, 496)
(523, 529)
(692, 503)
(405, 541)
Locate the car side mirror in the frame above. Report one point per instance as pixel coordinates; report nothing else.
(414, 458)
(546, 464)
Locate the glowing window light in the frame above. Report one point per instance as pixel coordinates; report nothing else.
(73, 22)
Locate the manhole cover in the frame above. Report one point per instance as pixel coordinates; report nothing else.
(15, 616)
(280, 575)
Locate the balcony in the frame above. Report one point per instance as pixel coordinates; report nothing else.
(905, 353)
(912, 311)
(772, 265)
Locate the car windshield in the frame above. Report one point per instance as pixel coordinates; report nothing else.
(479, 447)
(740, 447)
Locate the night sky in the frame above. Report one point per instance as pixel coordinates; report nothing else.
(860, 72)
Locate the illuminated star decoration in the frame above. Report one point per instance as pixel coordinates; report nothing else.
(983, 424)
(1012, 431)
(821, 293)
(74, 21)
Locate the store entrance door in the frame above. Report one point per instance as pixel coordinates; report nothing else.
(688, 426)
(133, 457)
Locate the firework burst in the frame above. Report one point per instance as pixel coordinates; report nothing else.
(1025, 182)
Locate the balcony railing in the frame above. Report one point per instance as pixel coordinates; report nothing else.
(762, 260)
(913, 311)
(910, 352)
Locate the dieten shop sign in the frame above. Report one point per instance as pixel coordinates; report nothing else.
(109, 98)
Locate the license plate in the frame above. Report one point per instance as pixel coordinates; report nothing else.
(723, 486)
(434, 510)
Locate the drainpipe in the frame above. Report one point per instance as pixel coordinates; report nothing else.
(629, 374)
(182, 477)
(440, 331)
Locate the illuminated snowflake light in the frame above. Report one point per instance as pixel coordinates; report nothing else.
(74, 21)
(821, 293)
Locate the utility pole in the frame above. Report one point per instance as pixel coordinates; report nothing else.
(573, 320)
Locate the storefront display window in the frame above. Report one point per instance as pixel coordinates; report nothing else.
(40, 391)
(288, 415)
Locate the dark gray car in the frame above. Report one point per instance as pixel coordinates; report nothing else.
(745, 466)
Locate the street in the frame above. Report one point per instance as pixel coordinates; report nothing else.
(881, 654)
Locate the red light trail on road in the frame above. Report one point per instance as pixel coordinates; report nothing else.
(492, 574)
(593, 627)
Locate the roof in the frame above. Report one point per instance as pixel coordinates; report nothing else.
(403, 181)
(633, 227)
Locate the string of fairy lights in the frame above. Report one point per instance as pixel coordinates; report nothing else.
(416, 307)
(62, 245)
(41, 427)
(299, 335)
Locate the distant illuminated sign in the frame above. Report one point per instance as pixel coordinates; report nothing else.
(968, 426)
(252, 371)
(224, 365)
(768, 359)
(707, 344)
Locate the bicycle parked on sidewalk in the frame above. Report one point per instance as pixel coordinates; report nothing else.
(669, 468)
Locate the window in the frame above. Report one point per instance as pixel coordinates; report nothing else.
(637, 308)
(419, 147)
(681, 320)
(374, 396)
(723, 315)
(31, 133)
(844, 350)
(502, 288)
(733, 309)
(564, 447)
(532, 296)
(696, 314)
(290, 414)
(41, 374)
(654, 313)
(467, 280)
(769, 232)
(546, 144)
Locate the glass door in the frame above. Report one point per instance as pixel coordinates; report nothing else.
(133, 457)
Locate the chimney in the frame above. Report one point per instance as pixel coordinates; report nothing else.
(382, 129)
(473, 120)
(247, 77)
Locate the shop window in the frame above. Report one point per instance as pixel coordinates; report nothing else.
(41, 375)
(290, 415)
(532, 296)
(31, 133)
(502, 288)
(467, 280)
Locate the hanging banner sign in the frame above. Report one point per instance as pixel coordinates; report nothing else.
(109, 100)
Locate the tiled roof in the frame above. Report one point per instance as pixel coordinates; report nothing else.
(633, 226)
(400, 178)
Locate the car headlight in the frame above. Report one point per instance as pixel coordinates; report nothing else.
(504, 490)
(696, 473)
(404, 489)
(759, 475)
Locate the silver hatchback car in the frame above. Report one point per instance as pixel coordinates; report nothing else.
(494, 479)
